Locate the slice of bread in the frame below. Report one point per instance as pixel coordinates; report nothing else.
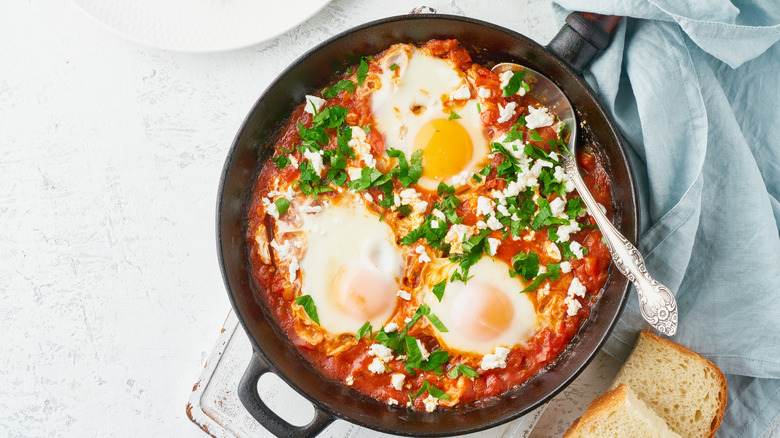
(682, 387)
(619, 413)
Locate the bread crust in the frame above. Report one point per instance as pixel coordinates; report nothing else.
(600, 405)
(722, 392)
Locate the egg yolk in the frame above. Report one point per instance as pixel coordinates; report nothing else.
(363, 291)
(481, 312)
(446, 148)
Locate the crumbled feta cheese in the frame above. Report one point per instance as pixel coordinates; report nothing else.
(435, 224)
(438, 213)
(557, 206)
(423, 350)
(381, 351)
(493, 223)
(552, 250)
(430, 403)
(391, 327)
(538, 118)
(407, 321)
(293, 161)
(310, 209)
(461, 179)
(513, 188)
(354, 173)
(542, 270)
(564, 231)
(506, 112)
(497, 359)
(398, 380)
(282, 251)
(316, 160)
(463, 232)
(420, 207)
(482, 225)
(572, 306)
(576, 288)
(505, 77)
(545, 290)
(565, 267)
(404, 295)
(392, 402)
(408, 196)
(484, 93)
(377, 366)
(503, 210)
(423, 255)
(396, 200)
(576, 248)
(270, 208)
(493, 246)
(560, 174)
(349, 380)
(484, 206)
(363, 150)
(293, 269)
(368, 197)
(461, 93)
(313, 104)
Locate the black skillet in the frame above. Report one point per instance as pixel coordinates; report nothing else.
(562, 60)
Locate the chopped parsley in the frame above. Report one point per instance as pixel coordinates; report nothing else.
(432, 390)
(365, 329)
(282, 204)
(515, 84)
(453, 116)
(462, 369)
(438, 289)
(307, 303)
(362, 71)
(343, 85)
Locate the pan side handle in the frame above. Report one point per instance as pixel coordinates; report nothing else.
(582, 37)
(247, 393)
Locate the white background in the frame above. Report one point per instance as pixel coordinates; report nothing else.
(110, 155)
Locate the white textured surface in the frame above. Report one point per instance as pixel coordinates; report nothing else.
(110, 154)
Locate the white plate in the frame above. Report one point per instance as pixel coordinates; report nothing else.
(200, 25)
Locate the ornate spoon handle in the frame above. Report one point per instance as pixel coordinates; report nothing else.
(656, 301)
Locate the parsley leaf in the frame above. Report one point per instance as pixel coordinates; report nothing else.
(365, 329)
(438, 290)
(435, 360)
(282, 204)
(432, 390)
(526, 264)
(453, 116)
(462, 369)
(393, 67)
(343, 85)
(515, 82)
(307, 303)
(362, 71)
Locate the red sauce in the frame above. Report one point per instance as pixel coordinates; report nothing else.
(524, 361)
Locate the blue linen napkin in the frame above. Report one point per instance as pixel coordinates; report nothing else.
(695, 90)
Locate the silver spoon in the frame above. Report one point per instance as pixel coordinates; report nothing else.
(656, 301)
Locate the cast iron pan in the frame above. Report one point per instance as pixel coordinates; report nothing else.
(563, 59)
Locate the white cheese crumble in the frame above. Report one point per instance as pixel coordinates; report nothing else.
(315, 158)
(435, 224)
(564, 231)
(484, 206)
(313, 104)
(461, 179)
(398, 380)
(505, 77)
(359, 143)
(484, 93)
(381, 351)
(577, 289)
(354, 173)
(573, 306)
(430, 403)
(462, 232)
(503, 210)
(576, 248)
(506, 112)
(391, 327)
(423, 350)
(404, 295)
(557, 206)
(552, 250)
(514, 188)
(439, 215)
(545, 290)
(538, 118)
(396, 200)
(497, 359)
(408, 196)
(349, 380)
(270, 208)
(461, 93)
(481, 225)
(493, 223)
(493, 246)
(377, 366)
(423, 255)
(420, 207)
(293, 269)
(309, 209)
(392, 402)
(565, 267)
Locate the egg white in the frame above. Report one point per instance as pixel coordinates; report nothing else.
(461, 301)
(347, 238)
(413, 94)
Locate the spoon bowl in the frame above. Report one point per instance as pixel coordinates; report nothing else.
(656, 302)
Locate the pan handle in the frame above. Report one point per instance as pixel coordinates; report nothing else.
(582, 37)
(247, 393)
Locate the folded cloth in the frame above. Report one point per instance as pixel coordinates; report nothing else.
(695, 90)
